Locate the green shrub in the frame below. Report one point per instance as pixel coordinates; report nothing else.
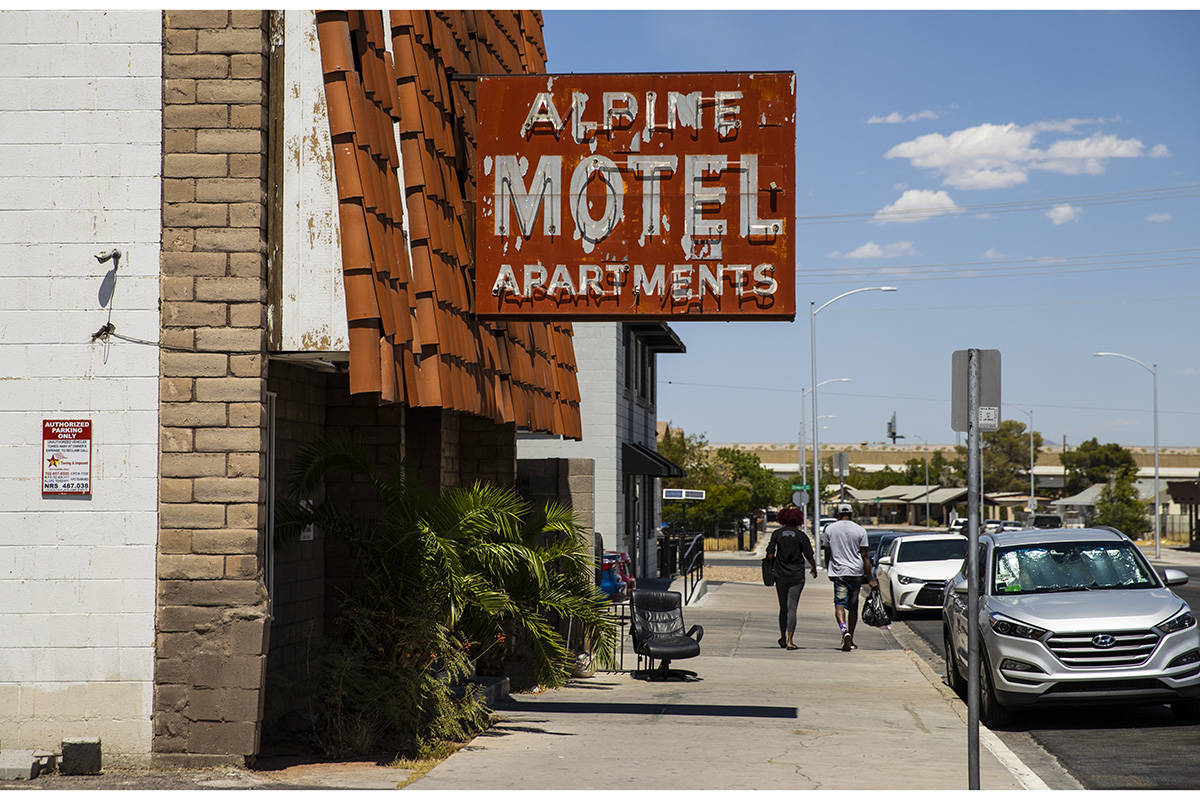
(440, 580)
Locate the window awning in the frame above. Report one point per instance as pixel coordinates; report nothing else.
(639, 460)
(658, 337)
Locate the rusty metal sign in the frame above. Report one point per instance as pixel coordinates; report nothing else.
(650, 196)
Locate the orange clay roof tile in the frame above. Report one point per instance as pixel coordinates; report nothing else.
(405, 297)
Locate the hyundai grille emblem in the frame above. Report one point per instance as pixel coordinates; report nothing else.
(1104, 640)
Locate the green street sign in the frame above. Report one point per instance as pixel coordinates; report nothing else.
(801, 487)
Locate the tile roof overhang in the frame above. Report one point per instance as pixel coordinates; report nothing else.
(414, 337)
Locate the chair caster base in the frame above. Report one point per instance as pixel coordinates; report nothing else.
(666, 674)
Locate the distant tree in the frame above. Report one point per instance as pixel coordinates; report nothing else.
(690, 451)
(1005, 457)
(1120, 506)
(765, 488)
(1091, 463)
(734, 481)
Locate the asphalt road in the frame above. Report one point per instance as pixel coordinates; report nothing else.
(1111, 747)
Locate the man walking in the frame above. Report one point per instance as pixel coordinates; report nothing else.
(848, 565)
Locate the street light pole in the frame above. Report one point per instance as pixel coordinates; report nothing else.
(1153, 370)
(1032, 498)
(814, 309)
(800, 455)
(925, 442)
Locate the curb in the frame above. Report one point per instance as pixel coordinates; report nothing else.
(1024, 774)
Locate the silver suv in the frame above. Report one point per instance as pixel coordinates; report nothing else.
(1069, 617)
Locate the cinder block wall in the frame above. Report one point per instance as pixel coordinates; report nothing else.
(211, 610)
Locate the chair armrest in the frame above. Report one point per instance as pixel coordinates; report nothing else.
(696, 629)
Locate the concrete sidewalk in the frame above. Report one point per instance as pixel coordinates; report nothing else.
(760, 718)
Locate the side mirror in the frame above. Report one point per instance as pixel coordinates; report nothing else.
(885, 560)
(1174, 577)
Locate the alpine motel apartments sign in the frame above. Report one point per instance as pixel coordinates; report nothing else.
(650, 196)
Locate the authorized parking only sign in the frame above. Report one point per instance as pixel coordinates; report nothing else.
(66, 456)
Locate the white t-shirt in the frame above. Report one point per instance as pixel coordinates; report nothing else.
(844, 538)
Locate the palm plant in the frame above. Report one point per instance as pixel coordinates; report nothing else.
(443, 574)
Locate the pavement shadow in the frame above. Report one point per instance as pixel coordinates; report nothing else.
(655, 709)
(1115, 717)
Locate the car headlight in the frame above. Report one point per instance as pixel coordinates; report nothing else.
(1184, 619)
(906, 579)
(1010, 627)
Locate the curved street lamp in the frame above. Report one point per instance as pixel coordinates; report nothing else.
(1153, 370)
(814, 309)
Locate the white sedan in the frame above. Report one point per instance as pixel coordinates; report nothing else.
(914, 571)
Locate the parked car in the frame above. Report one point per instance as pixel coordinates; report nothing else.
(878, 542)
(616, 575)
(990, 525)
(1072, 616)
(1011, 525)
(959, 526)
(1046, 521)
(913, 571)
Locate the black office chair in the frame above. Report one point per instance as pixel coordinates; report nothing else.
(658, 633)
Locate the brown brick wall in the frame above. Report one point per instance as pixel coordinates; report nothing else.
(211, 619)
(308, 575)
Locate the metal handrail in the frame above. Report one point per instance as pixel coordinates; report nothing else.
(691, 564)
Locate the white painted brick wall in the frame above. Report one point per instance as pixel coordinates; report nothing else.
(312, 316)
(80, 155)
(611, 415)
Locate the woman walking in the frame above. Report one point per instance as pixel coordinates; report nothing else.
(790, 547)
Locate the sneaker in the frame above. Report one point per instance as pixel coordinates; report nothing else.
(846, 643)
(853, 645)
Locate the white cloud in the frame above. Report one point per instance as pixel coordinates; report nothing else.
(1160, 151)
(916, 205)
(990, 156)
(1069, 125)
(873, 250)
(1063, 213)
(895, 118)
(1160, 216)
(992, 252)
(899, 187)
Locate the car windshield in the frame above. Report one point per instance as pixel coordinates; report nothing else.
(1070, 567)
(933, 550)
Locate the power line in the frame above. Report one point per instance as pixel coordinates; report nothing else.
(1184, 191)
(894, 277)
(1049, 304)
(941, 400)
(1018, 263)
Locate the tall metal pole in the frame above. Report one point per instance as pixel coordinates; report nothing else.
(1153, 370)
(816, 517)
(1032, 496)
(1157, 504)
(800, 443)
(925, 442)
(927, 483)
(1032, 457)
(813, 310)
(973, 487)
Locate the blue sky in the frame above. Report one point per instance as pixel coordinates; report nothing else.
(1020, 139)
